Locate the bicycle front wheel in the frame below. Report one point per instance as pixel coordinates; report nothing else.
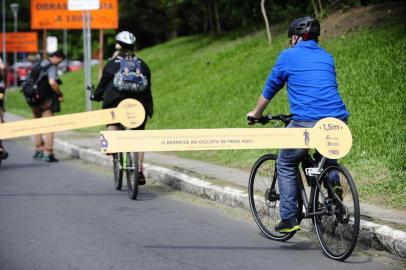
(117, 170)
(132, 175)
(338, 228)
(263, 192)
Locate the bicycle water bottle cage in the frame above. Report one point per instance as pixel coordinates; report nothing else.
(312, 171)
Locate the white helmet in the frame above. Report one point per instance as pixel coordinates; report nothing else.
(126, 39)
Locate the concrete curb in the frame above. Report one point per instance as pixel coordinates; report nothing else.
(380, 237)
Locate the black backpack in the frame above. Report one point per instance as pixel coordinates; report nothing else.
(129, 78)
(36, 87)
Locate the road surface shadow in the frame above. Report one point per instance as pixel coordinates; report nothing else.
(293, 246)
(144, 194)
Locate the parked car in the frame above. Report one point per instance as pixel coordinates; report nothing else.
(74, 65)
(67, 66)
(22, 69)
(10, 77)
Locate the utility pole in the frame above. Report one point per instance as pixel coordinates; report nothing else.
(14, 8)
(86, 6)
(4, 32)
(87, 56)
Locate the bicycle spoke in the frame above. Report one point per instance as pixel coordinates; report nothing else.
(117, 171)
(338, 229)
(263, 197)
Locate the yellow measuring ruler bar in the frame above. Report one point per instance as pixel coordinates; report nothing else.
(129, 112)
(330, 136)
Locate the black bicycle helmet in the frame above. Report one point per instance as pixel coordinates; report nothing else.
(303, 25)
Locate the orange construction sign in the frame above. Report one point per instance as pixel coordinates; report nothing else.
(21, 42)
(54, 14)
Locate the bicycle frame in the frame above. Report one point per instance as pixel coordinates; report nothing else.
(310, 172)
(125, 166)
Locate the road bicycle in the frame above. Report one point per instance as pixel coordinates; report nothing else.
(125, 162)
(333, 206)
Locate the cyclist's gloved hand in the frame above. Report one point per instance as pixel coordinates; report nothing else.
(96, 97)
(250, 120)
(252, 117)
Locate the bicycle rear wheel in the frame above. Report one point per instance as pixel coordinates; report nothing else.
(117, 170)
(338, 229)
(132, 175)
(263, 192)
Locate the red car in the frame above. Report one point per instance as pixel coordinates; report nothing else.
(74, 65)
(23, 69)
(10, 77)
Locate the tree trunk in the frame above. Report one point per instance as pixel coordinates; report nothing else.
(268, 28)
(216, 16)
(206, 20)
(320, 6)
(315, 9)
(210, 16)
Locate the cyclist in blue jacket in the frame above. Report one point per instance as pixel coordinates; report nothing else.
(309, 72)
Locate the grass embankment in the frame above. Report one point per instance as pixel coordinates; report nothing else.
(207, 82)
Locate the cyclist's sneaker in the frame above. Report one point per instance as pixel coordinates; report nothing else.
(338, 190)
(141, 178)
(51, 158)
(38, 155)
(3, 154)
(288, 226)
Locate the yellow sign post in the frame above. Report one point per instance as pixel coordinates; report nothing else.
(330, 136)
(129, 112)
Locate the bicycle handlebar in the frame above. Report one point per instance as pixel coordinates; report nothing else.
(91, 89)
(265, 119)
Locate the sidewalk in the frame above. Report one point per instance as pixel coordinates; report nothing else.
(229, 186)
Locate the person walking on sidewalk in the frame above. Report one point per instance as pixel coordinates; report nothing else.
(126, 76)
(3, 78)
(50, 85)
(309, 72)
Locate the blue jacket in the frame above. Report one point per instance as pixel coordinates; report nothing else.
(309, 72)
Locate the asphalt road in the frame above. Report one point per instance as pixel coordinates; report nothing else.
(67, 216)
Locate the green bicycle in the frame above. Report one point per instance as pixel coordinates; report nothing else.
(126, 162)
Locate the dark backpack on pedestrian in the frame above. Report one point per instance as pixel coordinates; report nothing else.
(36, 87)
(129, 78)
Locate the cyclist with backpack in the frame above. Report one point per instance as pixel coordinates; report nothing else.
(3, 78)
(44, 95)
(309, 72)
(126, 76)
